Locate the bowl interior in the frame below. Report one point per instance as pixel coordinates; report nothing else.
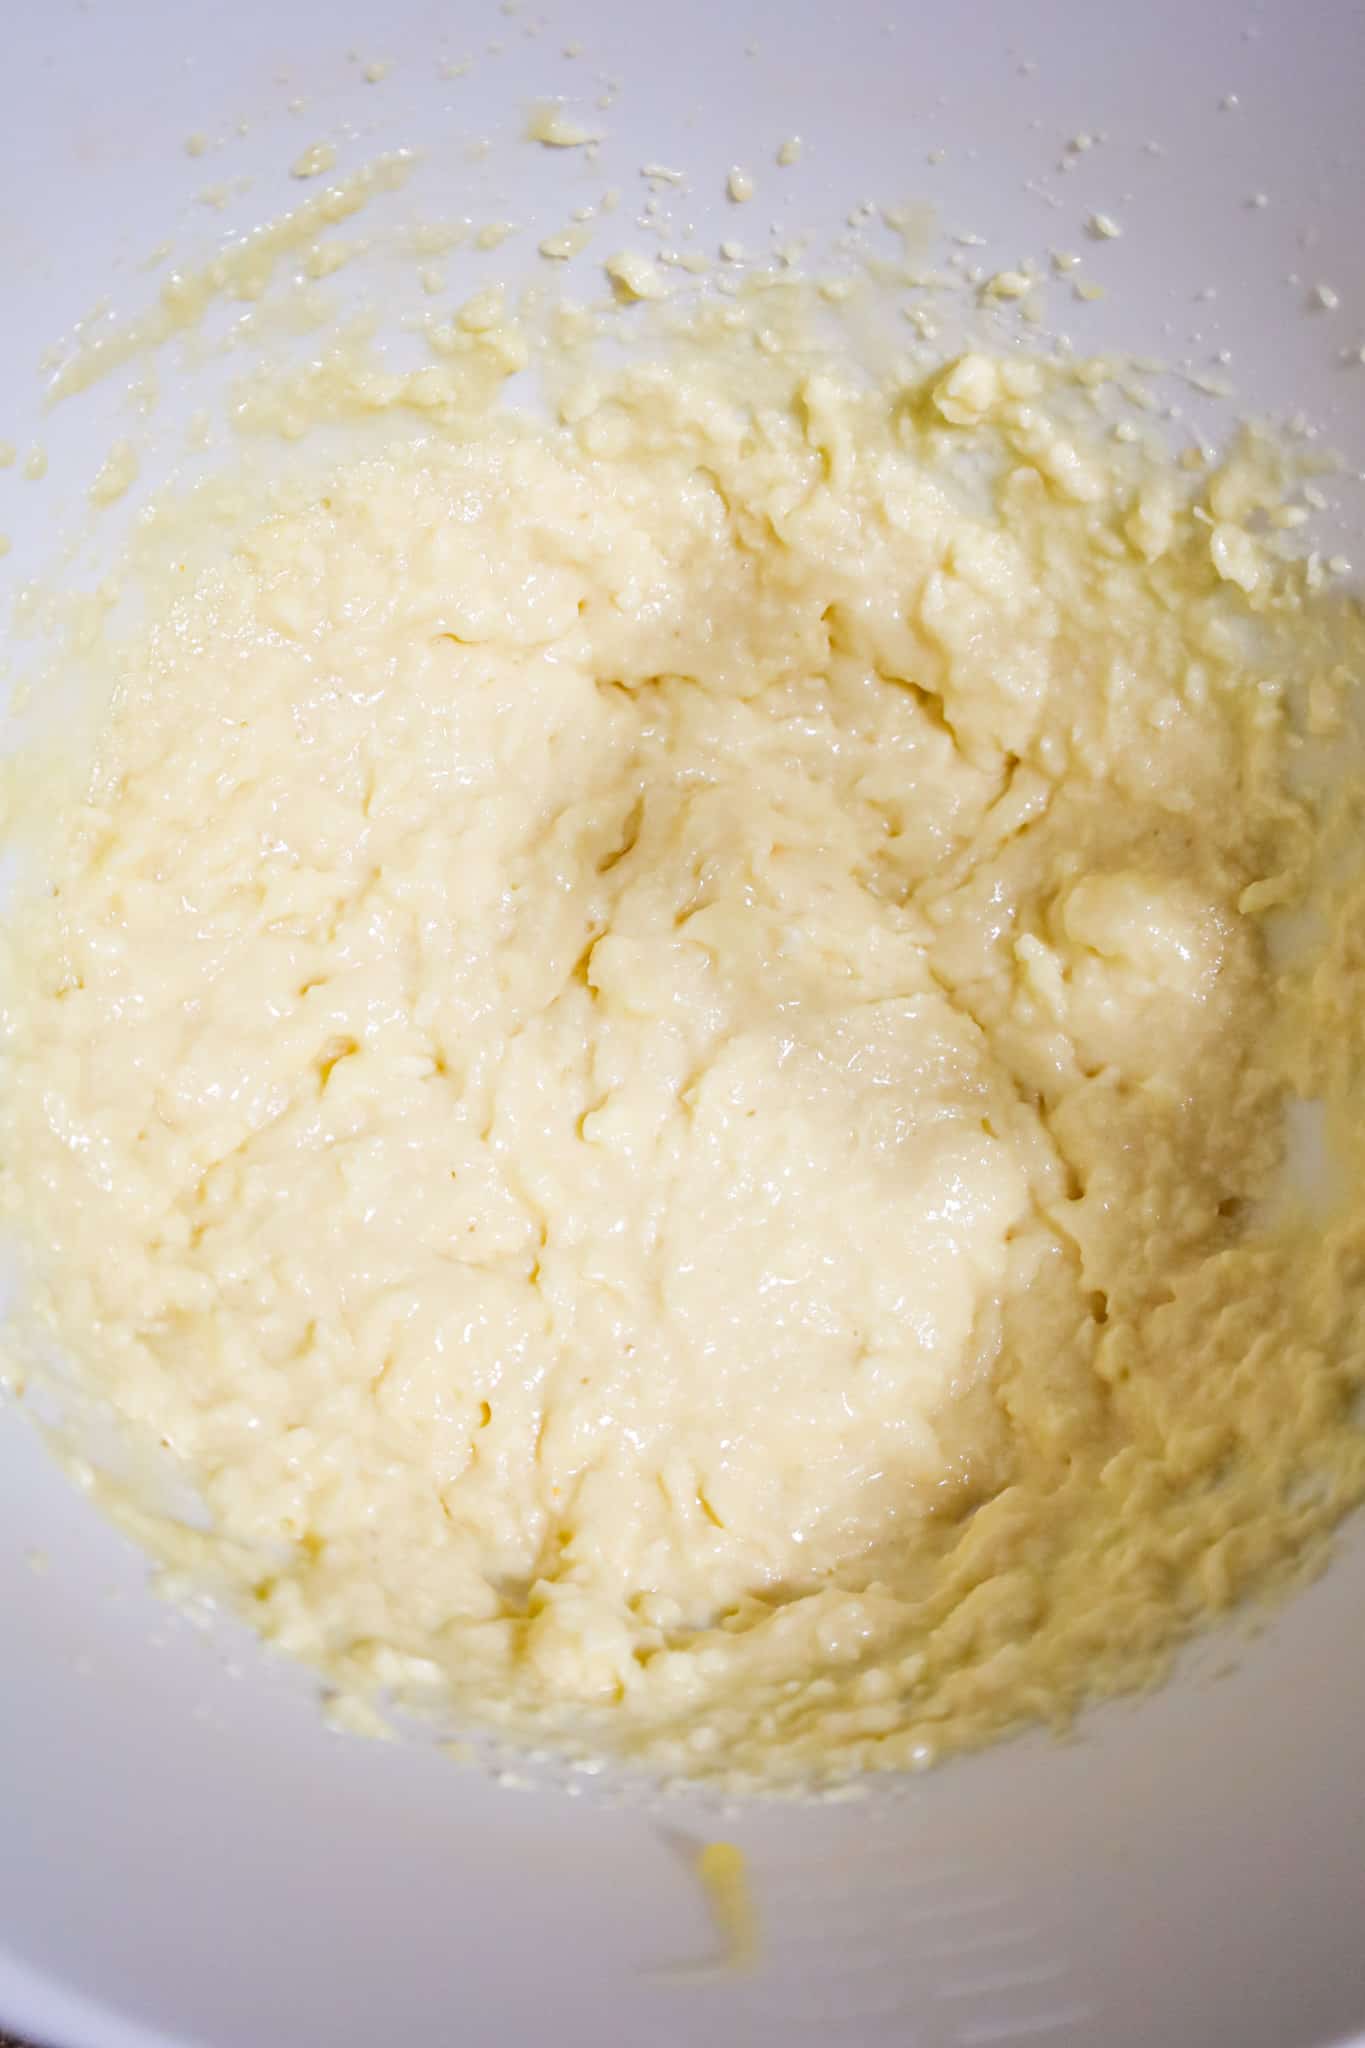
(186, 1853)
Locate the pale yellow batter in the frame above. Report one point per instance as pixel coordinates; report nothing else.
(653, 1056)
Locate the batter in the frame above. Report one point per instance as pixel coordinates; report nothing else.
(657, 1053)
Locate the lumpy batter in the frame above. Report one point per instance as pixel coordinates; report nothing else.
(654, 1055)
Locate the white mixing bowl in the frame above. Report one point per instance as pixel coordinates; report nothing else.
(186, 1854)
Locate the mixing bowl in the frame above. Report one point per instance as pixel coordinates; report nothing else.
(187, 1854)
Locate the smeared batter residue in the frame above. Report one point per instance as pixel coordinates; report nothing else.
(724, 1873)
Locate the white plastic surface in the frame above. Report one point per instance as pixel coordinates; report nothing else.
(186, 1856)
